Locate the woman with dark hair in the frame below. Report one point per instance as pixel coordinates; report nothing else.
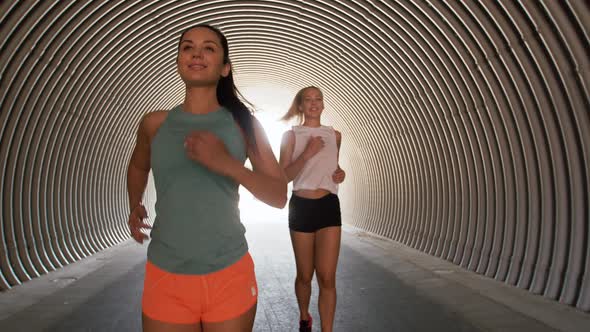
(199, 274)
(309, 157)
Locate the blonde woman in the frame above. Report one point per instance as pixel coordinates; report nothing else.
(309, 158)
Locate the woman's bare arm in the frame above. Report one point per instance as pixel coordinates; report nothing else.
(293, 167)
(138, 171)
(266, 180)
(338, 175)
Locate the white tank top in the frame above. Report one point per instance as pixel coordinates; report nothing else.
(317, 171)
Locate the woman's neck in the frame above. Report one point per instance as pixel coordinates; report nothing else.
(201, 100)
(312, 123)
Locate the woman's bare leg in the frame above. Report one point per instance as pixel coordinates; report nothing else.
(152, 325)
(327, 249)
(303, 247)
(243, 323)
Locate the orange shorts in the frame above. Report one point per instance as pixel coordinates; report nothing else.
(186, 299)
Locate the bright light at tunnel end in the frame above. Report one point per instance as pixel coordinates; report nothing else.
(270, 103)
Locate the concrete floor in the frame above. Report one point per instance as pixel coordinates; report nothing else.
(382, 286)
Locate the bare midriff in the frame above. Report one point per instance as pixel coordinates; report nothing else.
(312, 194)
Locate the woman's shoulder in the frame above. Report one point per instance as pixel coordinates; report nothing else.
(155, 118)
(156, 114)
(288, 135)
(331, 129)
(338, 134)
(151, 121)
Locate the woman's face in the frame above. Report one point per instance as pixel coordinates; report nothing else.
(200, 58)
(312, 103)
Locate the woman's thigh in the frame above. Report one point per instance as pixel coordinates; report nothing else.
(327, 250)
(243, 323)
(303, 248)
(152, 325)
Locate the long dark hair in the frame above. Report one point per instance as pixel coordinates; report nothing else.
(228, 95)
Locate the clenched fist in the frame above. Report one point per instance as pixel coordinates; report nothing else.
(136, 223)
(338, 175)
(314, 145)
(208, 150)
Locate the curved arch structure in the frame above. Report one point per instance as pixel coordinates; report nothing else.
(466, 124)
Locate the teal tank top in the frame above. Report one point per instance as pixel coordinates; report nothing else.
(197, 229)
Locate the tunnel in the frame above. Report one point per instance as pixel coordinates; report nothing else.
(465, 124)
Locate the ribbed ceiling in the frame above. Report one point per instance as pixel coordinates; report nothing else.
(466, 124)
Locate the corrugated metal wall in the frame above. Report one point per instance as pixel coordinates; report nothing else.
(466, 123)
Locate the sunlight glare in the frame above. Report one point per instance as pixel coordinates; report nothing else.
(271, 104)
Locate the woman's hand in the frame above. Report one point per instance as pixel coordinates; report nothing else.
(208, 150)
(136, 223)
(314, 145)
(338, 175)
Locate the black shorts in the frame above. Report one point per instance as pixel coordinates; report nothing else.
(309, 215)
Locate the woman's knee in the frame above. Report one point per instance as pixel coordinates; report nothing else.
(326, 281)
(304, 279)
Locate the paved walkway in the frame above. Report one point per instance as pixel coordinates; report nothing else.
(382, 286)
